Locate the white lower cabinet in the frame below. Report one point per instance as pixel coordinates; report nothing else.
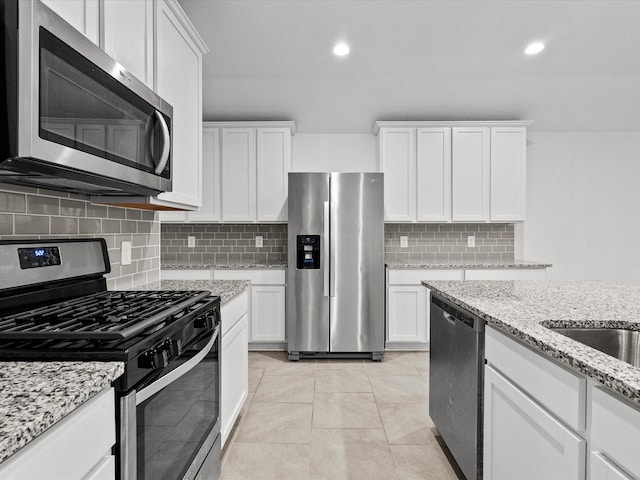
(543, 420)
(523, 440)
(234, 361)
(77, 447)
(266, 328)
(407, 307)
(267, 313)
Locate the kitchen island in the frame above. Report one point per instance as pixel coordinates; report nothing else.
(574, 410)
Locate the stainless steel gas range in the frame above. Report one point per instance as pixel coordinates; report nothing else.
(54, 305)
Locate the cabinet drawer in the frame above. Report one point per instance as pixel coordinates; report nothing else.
(615, 430)
(558, 389)
(506, 274)
(415, 277)
(257, 277)
(186, 274)
(234, 310)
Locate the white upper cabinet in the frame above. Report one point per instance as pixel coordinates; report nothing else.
(453, 171)
(434, 174)
(508, 173)
(273, 163)
(239, 174)
(178, 78)
(83, 15)
(126, 34)
(470, 174)
(398, 162)
(210, 211)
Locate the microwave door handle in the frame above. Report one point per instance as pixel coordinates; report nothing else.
(166, 143)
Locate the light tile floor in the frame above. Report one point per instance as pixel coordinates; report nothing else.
(337, 420)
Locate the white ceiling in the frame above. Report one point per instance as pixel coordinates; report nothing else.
(421, 60)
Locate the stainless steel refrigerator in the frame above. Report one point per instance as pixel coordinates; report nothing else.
(335, 276)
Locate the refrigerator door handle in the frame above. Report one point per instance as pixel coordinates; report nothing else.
(326, 249)
(332, 250)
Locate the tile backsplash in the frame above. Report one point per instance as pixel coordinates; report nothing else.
(227, 243)
(223, 244)
(39, 213)
(447, 243)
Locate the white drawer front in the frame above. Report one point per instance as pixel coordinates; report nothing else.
(506, 274)
(415, 277)
(558, 389)
(615, 430)
(234, 310)
(257, 277)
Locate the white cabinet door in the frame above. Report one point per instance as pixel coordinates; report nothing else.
(407, 320)
(434, 174)
(210, 210)
(267, 313)
(235, 374)
(273, 166)
(238, 174)
(398, 163)
(470, 174)
(508, 173)
(522, 440)
(601, 468)
(126, 34)
(179, 82)
(83, 15)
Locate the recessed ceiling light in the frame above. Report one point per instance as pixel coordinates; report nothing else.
(341, 49)
(533, 48)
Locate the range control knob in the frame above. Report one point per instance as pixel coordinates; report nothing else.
(205, 321)
(173, 347)
(156, 358)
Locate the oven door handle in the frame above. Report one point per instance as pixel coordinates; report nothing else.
(172, 376)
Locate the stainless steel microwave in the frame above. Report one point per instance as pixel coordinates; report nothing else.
(71, 117)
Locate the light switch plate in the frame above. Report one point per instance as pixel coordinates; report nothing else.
(259, 241)
(471, 241)
(125, 253)
(191, 241)
(404, 241)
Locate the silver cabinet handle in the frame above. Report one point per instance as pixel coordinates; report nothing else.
(449, 318)
(166, 143)
(325, 248)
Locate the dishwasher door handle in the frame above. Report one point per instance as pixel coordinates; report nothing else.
(448, 317)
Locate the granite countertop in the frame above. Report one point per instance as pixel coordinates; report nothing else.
(469, 265)
(523, 308)
(226, 266)
(35, 395)
(226, 289)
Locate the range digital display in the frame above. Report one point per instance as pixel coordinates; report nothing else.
(39, 257)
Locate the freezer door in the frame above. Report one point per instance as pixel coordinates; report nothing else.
(307, 311)
(357, 262)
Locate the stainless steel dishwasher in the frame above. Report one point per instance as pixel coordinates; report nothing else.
(456, 382)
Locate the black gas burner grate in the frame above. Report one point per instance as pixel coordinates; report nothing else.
(101, 316)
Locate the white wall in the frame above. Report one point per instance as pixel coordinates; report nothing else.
(583, 204)
(356, 152)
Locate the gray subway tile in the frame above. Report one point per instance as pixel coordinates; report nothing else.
(64, 225)
(116, 212)
(95, 210)
(110, 226)
(72, 208)
(89, 225)
(12, 202)
(6, 224)
(43, 205)
(133, 214)
(31, 225)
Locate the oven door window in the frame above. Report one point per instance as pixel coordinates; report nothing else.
(85, 108)
(173, 424)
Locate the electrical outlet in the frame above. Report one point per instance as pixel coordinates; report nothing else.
(259, 243)
(404, 241)
(471, 241)
(125, 253)
(191, 241)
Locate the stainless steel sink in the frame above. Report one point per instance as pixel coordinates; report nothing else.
(618, 342)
